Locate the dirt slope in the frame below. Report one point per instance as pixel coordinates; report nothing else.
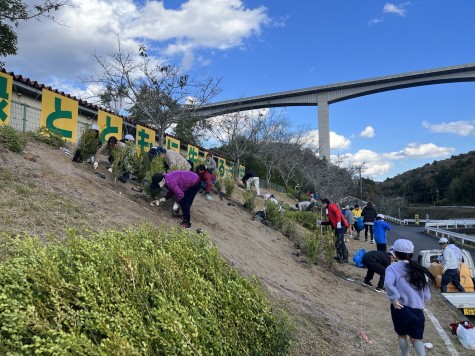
(328, 310)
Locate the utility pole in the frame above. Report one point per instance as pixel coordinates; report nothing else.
(361, 185)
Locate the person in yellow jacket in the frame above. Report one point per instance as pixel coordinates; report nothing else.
(357, 215)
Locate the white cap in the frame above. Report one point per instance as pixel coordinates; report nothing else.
(267, 196)
(380, 216)
(129, 137)
(95, 127)
(443, 240)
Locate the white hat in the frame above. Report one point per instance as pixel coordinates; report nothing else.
(443, 240)
(380, 216)
(347, 207)
(267, 196)
(403, 245)
(129, 137)
(95, 127)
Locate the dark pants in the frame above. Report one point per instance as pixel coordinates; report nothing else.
(451, 275)
(340, 246)
(381, 247)
(374, 267)
(366, 228)
(187, 200)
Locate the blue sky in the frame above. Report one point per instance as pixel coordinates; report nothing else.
(260, 47)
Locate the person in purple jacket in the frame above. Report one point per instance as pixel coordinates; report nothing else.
(183, 185)
(407, 287)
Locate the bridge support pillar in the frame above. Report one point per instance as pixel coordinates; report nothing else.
(323, 127)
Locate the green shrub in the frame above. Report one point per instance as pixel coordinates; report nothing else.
(50, 137)
(249, 200)
(312, 246)
(12, 139)
(219, 184)
(123, 159)
(273, 214)
(229, 186)
(137, 292)
(307, 219)
(140, 164)
(289, 227)
(88, 143)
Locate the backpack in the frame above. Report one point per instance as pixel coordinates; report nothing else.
(358, 257)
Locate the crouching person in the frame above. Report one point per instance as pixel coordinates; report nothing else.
(207, 180)
(183, 185)
(377, 262)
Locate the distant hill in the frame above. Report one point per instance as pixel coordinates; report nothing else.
(446, 182)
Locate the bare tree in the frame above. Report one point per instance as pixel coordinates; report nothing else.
(155, 94)
(243, 134)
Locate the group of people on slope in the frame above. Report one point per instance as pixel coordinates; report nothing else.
(344, 220)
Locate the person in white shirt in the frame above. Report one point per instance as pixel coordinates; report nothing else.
(451, 264)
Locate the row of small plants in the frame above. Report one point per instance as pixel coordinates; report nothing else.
(16, 141)
(137, 292)
(314, 243)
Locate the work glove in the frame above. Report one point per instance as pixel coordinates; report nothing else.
(176, 206)
(208, 196)
(206, 167)
(157, 202)
(397, 305)
(95, 165)
(110, 169)
(338, 225)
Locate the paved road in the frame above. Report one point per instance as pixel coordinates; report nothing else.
(419, 238)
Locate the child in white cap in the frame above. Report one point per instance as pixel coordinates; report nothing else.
(407, 287)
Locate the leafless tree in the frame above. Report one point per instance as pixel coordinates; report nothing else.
(243, 134)
(153, 93)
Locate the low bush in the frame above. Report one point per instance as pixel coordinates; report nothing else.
(249, 200)
(12, 139)
(229, 186)
(135, 292)
(50, 137)
(273, 214)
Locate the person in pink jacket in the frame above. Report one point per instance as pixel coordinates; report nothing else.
(183, 185)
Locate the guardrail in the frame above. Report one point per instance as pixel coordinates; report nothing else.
(452, 224)
(399, 221)
(444, 233)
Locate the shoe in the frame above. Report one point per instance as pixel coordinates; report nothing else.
(372, 242)
(356, 238)
(109, 169)
(122, 179)
(184, 224)
(365, 240)
(367, 284)
(380, 290)
(137, 189)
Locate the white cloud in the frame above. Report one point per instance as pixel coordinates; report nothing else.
(368, 132)
(337, 142)
(375, 21)
(395, 9)
(426, 150)
(94, 24)
(461, 128)
(377, 165)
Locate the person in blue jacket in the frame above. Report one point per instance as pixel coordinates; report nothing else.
(379, 229)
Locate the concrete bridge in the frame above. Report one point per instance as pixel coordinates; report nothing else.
(323, 96)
